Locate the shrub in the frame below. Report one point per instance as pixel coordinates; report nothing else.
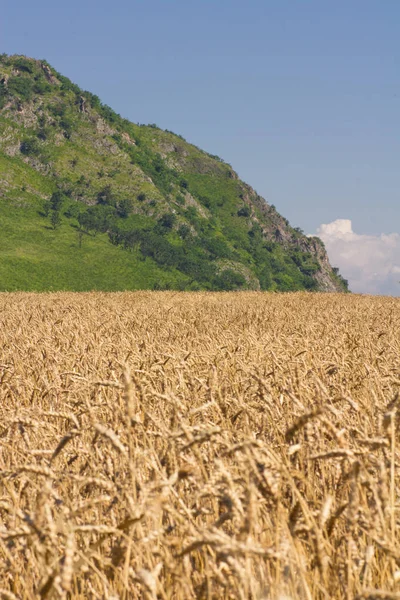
(191, 214)
(55, 219)
(208, 202)
(67, 124)
(184, 231)
(73, 211)
(46, 208)
(265, 279)
(42, 133)
(30, 147)
(58, 109)
(244, 211)
(298, 230)
(93, 100)
(230, 280)
(23, 64)
(41, 87)
(158, 163)
(125, 208)
(284, 282)
(21, 87)
(217, 247)
(98, 218)
(109, 114)
(3, 95)
(106, 196)
(67, 85)
(56, 200)
(167, 220)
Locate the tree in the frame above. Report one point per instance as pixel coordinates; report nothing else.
(85, 222)
(167, 221)
(298, 230)
(67, 124)
(230, 280)
(56, 200)
(41, 87)
(23, 64)
(53, 206)
(97, 218)
(21, 87)
(184, 231)
(217, 247)
(80, 236)
(244, 211)
(125, 208)
(29, 147)
(55, 219)
(264, 277)
(46, 208)
(158, 163)
(106, 196)
(73, 211)
(3, 94)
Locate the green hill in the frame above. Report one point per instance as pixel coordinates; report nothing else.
(89, 200)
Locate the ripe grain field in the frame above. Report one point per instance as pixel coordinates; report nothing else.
(176, 446)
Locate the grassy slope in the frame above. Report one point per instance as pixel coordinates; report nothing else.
(35, 257)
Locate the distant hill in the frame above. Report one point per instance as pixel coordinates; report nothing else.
(89, 200)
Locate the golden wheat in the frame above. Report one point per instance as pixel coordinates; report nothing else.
(175, 446)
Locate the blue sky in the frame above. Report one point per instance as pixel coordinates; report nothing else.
(302, 97)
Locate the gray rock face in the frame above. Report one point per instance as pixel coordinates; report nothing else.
(49, 75)
(278, 230)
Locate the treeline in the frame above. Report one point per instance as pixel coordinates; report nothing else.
(192, 259)
(194, 248)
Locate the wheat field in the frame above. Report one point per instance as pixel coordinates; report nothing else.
(181, 446)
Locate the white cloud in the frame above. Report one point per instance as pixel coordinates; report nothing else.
(371, 263)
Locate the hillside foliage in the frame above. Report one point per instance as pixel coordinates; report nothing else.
(136, 189)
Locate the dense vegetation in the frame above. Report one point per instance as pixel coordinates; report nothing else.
(92, 201)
